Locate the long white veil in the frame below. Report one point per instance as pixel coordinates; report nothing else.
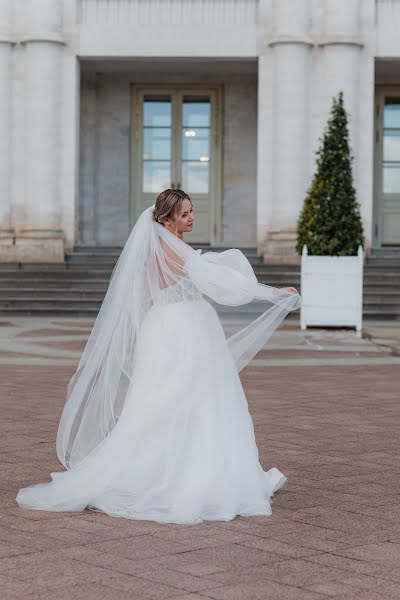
(152, 260)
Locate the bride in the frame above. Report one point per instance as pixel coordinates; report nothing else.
(156, 424)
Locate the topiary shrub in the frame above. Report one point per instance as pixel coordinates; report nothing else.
(330, 221)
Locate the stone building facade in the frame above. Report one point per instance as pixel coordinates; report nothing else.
(103, 103)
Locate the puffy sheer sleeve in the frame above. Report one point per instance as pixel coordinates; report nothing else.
(228, 279)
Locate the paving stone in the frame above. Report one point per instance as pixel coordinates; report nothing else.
(385, 552)
(266, 590)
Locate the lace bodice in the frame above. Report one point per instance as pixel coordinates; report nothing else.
(182, 291)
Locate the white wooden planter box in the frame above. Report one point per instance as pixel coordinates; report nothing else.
(332, 290)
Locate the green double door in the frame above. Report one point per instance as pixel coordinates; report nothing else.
(176, 144)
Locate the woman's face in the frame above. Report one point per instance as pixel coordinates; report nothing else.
(183, 219)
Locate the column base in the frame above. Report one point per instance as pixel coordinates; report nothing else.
(7, 246)
(35, 246)
(280, 248)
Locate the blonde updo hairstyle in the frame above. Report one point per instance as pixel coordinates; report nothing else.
(168, 204)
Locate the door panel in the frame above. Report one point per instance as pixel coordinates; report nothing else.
(388, 175)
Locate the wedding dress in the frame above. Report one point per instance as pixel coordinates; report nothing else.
(156, 424)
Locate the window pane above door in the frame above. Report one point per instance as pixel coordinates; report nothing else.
(157, 111)
(196, 111)
(391, 113)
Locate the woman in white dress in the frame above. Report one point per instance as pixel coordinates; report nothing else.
(156, 424)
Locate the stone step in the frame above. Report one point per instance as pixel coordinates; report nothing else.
(383, 263)
(58, 294)
(101, 263)
(378, 288)
(384, 269)
(97, 295)
(377, 303)
(386, 251)
(53, 275)
(110, 255)
(68, 311)
(62, 286)
(51, 284)
(94, 276)
(82, 249)
(92, 311)
(32, 302)
(370, 279)
(381, 314)
(105, 274)
(56, 311)
(100, 288)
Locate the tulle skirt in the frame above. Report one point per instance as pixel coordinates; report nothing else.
(184, 448)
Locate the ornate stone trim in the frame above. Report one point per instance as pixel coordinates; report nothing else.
(54, 38)
(283, 39)
(341, 41)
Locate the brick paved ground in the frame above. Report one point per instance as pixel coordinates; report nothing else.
(326, 412)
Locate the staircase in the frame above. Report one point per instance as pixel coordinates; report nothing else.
(77, 287)
(382, 285)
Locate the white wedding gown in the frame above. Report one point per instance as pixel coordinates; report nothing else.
(183, 449)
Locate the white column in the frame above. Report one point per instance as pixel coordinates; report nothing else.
(347, 64)
(6, 44)
(265, 144)
(70, 126)
(340, 43)
(41, 237)
(289, 93)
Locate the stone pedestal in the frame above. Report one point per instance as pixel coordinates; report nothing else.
(39, 246)
(7, 246)
(280, 248)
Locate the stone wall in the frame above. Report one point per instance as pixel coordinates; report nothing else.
(240, 162)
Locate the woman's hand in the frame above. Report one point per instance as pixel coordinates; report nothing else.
(292, 290)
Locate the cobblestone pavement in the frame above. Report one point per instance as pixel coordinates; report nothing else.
(326, 411)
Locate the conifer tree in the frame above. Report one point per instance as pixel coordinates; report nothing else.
(330, 221)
